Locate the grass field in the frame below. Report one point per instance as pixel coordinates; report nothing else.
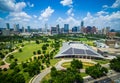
(85, 64)
(54, 61)
(27, 52)
(102, 61)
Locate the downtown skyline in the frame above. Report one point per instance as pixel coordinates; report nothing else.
(99, 13)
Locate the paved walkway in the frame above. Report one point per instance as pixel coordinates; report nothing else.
(6, 63)
(40, 76)
(8, 55)
(58, 66)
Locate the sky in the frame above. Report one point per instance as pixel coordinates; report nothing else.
(37, 13)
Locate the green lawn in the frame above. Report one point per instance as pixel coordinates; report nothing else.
(27, 52)
(83, 74)
(47, 77)
(54, 61)
(66, 64)
(85, 64)
(102, 61)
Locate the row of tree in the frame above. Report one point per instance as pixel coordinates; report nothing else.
(96, 71)
(71, 75)
(115, 64)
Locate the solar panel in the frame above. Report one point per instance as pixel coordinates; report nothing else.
(89, 52)
(78, 51)
(69, 51)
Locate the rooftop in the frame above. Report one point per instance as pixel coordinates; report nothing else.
(77, 49)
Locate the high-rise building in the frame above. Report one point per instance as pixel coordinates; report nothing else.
(40, 29)
(88, 29)
(82, 30)
(82, 23)
(105, 30)
(66, 28)
(23, 29)
(8, 25)
(6, 32)
(45, 29)
(75, 29)
(16, 27)
(54, 30)
(28, 28)
(58, 27)
(94, 30)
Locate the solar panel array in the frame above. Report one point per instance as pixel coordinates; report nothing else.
(69, 51)
(72, 50)
(79, 51)
(89, 52)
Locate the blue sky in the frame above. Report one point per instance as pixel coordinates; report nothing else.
(37, 13)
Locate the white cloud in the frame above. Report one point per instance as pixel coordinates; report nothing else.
(34, 16)
(105, 6)
(10, 5)
(101, 13)
(70, 12)
(19, 16)
(30, 5)
(70, 20)
(116, 4)
(66, 2)
(101, 21)
(1, 19)
(46, 13)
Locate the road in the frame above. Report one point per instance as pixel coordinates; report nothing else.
(40, 76)
(58, 66)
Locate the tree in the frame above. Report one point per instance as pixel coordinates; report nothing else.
(67, 76)
(33, 68)
(11, 57)
(39, 51)
(24, 65)
(12, 65)
(37, 42)
(76, 64)
(2, 55)
(20, 50)
(16, 69)
(15, 60)
(44, 47)
(115, 64)
(96, 71)
(34, 52)
(5, 69)
(53, 72)
(2, 63)
(20, 41)
(18, 78)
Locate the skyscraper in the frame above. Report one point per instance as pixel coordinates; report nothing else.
(8, 25)
(16, 27)
(66, 28)
(82, 23)
(58, 28)
(28, 28)
(82, 27)
(23, 29)
(45, 29)
(75, 29)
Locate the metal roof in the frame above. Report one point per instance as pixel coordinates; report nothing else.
(77, 48)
